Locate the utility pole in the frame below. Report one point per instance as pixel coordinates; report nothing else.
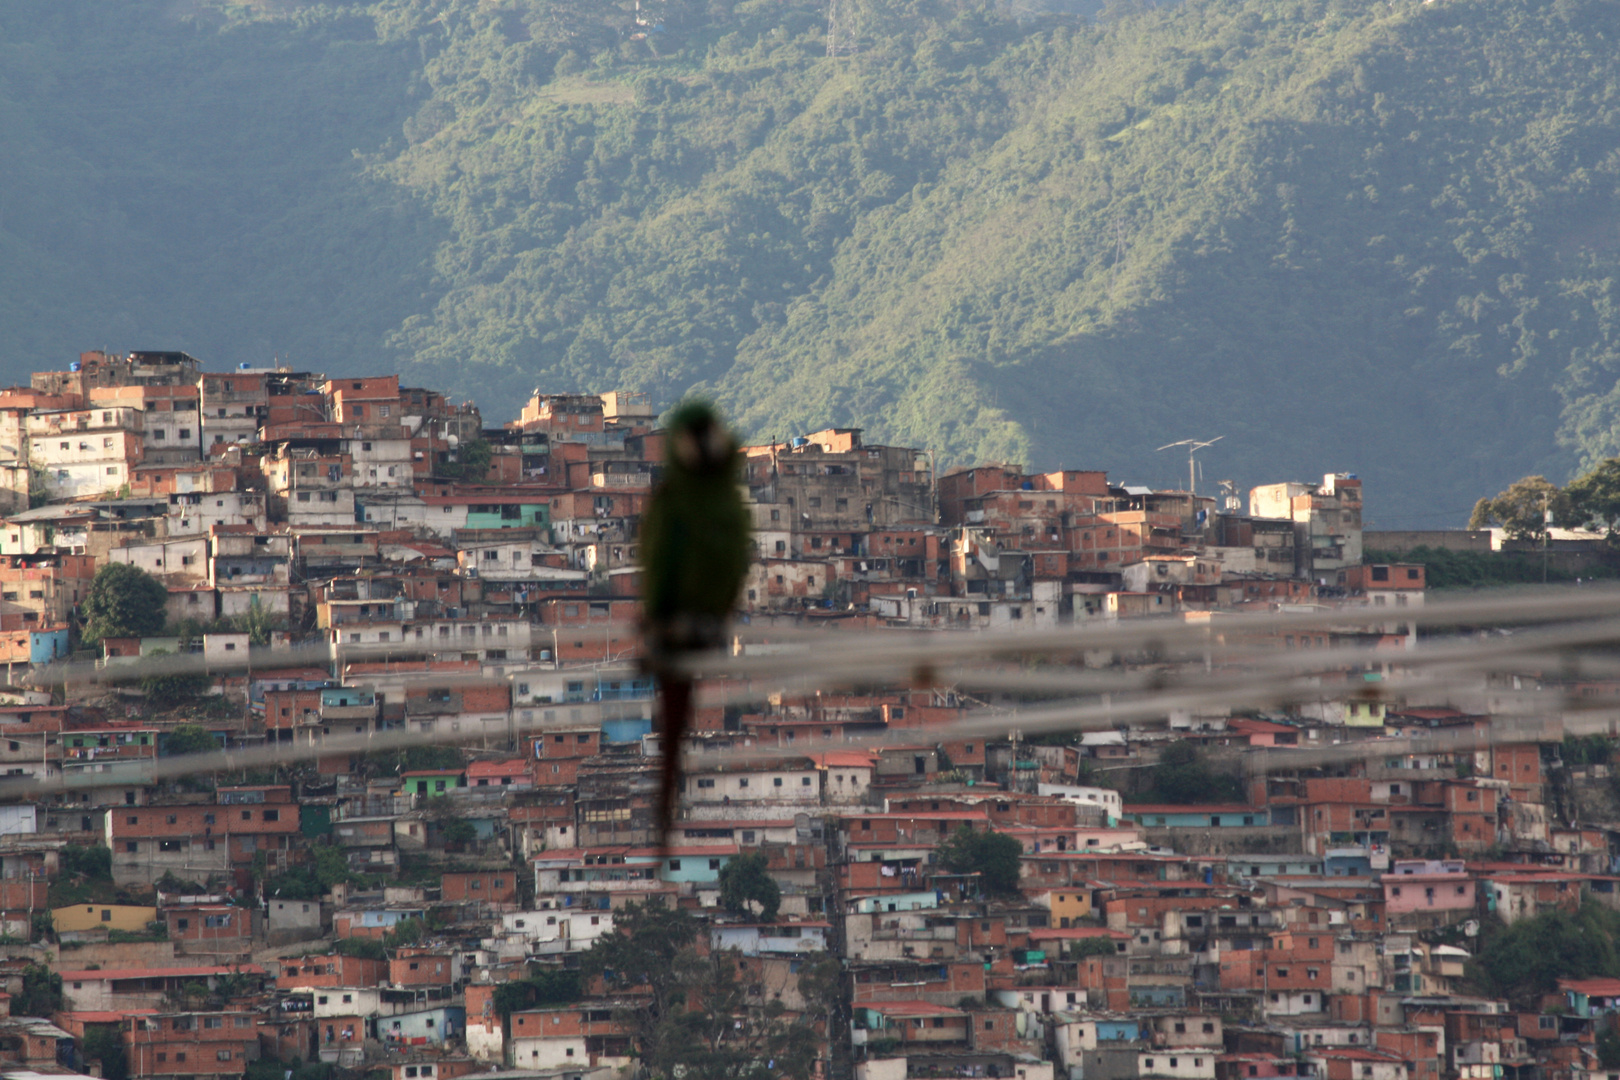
(1193, 446)
(840, 29)
(1546, 532)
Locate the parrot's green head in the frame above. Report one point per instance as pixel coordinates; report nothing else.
(698, 441)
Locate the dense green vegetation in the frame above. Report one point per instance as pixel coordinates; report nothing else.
(41, 992)
(329, 867)
(1464, 569)
(124, 601)
(1376, 237)
(748, 889)
(1182, 776)
(1523, 961)
(103, 1043)
(992, 855)
(543, 987)
(688, 1024)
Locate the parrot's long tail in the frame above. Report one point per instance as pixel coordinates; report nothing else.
(677, 712)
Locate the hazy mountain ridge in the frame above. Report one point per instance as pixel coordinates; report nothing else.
(1378, 238)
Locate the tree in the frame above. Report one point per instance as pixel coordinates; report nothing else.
(1523, 961)
(1608, 1044)
(364, 948)
(406, 932)
(394, 762)
(548, 986)
(93, 861)
(1594, 498)
(103, 1043)
(166, 689)
(328, 867)
(1580, 750)
(1092, 946)
(188, 739)
(1523, 509)
(41, 992)
(259, 622)
(699, 1020)
(994, 856)
(458, 833)
(746, 881)
(1183, 776)
(472, 461)
(124, 601)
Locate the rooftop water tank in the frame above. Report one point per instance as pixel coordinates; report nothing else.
(800, 441)
(74, 366)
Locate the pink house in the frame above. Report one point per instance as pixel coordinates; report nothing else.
(1414, 885)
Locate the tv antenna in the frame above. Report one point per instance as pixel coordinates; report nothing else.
(1193, 446)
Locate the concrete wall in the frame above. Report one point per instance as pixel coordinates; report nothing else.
(136, 954)
(292, 920)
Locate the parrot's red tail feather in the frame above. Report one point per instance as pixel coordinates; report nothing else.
(676, 714)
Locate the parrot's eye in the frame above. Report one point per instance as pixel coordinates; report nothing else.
(716, 445)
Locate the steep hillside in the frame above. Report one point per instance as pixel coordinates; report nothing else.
(1379, 237)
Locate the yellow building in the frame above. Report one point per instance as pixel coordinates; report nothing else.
(1069, 907)
(1364, 714)
(81, 917)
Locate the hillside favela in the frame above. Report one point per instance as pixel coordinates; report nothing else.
(810, 540)
(349, 559)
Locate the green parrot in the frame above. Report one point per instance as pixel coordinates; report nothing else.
(694, 557)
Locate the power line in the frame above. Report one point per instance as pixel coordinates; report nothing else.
(1213, 665)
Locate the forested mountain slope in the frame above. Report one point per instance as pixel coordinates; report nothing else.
(1376, 237)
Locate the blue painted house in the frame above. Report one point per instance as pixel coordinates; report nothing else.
(422, 1027)
(1221, 816)
(912, 901)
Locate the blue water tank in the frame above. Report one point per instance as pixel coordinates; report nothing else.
(74, 366)
(800, 441)
(244, 366)
(1026, 486)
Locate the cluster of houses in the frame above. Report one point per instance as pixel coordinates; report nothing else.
(353, 557)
